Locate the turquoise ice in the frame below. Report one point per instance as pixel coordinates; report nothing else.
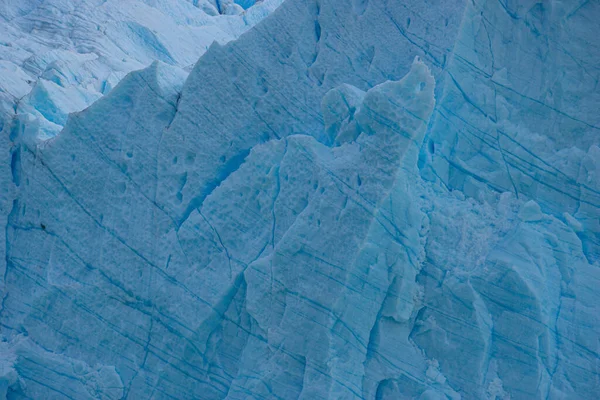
(355, 199)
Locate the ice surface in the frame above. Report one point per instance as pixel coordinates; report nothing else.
(354, 199)
(519, 110)
(59, 56)
(86, 47)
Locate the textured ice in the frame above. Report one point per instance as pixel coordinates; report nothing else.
(73, 52)
(59, 56)
(356, 199)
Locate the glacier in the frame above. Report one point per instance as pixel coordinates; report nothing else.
(59, 56)
(338, 199)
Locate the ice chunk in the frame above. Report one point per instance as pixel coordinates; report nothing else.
(531, 212)
(54, 103)
(13, 80)
(573, 223)
(233, 9)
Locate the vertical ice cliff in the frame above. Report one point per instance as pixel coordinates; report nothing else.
(516, 122)
(356, 199)
(519, 112)
(59, 56)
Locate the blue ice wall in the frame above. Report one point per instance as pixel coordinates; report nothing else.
(353, 200)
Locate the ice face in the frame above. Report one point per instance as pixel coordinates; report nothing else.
(355, 199)
(517, 110)
(57, 57)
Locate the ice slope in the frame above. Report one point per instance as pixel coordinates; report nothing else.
(305, 216)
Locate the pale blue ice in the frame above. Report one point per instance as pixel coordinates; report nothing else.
(336, 199)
